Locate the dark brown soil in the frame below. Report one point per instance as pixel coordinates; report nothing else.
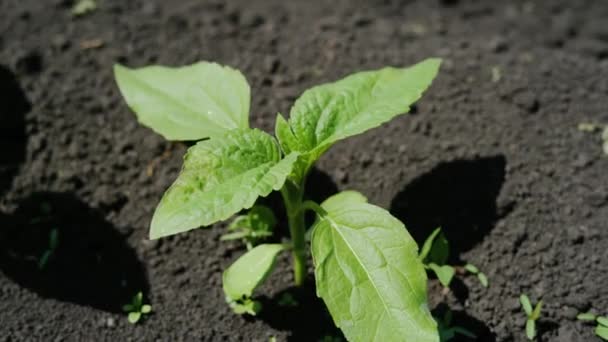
(492, 153)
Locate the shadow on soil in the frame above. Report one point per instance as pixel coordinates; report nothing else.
(289, 317)
(462, 319)
(13, 107)
(459, 196)
(91, 265)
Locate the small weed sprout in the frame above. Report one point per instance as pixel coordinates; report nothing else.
(532, 315)
(601, 329)
(253, 227)
(435, 253)
(137, 309)
(50, 251)
(287, 300)
(447, 331)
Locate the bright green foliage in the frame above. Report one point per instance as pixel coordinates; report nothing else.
(331, 112)
(249, 271)
(82, 7)
(368, 273)
(444, 273)
(533, 314)
(434, 254)
(50, 251)
(601, 330)
(137, 309)
(367, 268)
(253, 227)
(221, 176)
(447, 331)
(186, 103)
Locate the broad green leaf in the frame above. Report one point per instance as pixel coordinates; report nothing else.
(530, 329)
(341, 199)
(602, 332)
(186, 103)
(440, 250)
(250, 270)
(221, 176)
(330, 112)
(444, 273)
(368, 273)
(525, 304)
(586, 317)
(261, 219)
(146, 308)
(602, 321)
(536, 312)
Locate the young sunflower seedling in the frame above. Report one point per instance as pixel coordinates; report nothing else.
(434, 255)
(532, 315)
(50, 251)
(137, 309)
(253, 227)
(601, 329)
(365, 262)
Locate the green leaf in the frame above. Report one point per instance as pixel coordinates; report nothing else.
(464, 332)
(146, 309)
(127, 308)
(444, 273)
(525, 304)
(186, 103)
(440, 250)
(341, 199)
(368, 273)
(249, 271)
(536, 313)
(235, 235)
(428, 244)
(602, 332)
(588, 316)
(603, 321)
(530, 329)
(482, 279)
(471, 268)
(330, 112)
(44, 259)
(239, 222)
(261, 219)
(220, 177)
(53, 239)
(134, 317)
(83, 7)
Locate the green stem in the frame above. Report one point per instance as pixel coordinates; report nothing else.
(292, 195)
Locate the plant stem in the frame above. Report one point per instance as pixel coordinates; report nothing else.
(292, 195)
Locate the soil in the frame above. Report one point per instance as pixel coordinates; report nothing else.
(491, 153)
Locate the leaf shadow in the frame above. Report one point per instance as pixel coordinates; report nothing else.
(307, 321)
(459, 196)
(470, 323)
(15, 105)
(92, 264)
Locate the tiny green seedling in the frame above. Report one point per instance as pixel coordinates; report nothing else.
(532, 315)
(447, 331)
(363, 257)
(601, 329)
(50, 251)
(434, 255)
(253, 227)
(483, 279)
(593, 128)
(83, 7)
(137, 309)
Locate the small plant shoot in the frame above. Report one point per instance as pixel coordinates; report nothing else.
(601, 329)
(137, 309)
(434, 255)
(253, 227)
(366, 263)
(532, 315)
